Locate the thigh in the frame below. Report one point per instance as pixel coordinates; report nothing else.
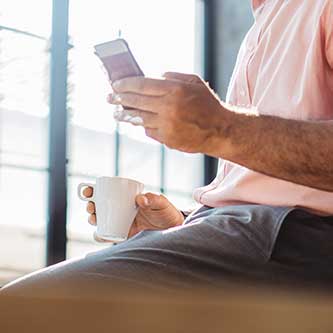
(215, 246)
(305, 246)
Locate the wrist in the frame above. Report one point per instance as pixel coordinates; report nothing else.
(181, 218)
(220, 137)
(235, 128)
(186, 213)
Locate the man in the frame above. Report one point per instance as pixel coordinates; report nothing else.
(267, 216)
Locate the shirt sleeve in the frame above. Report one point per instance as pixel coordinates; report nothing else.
(328, 24)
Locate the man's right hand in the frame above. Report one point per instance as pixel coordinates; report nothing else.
(156, 212)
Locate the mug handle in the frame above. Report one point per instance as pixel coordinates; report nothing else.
(80, 188)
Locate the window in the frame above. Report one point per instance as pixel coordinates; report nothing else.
(24, 67)
(162, 36)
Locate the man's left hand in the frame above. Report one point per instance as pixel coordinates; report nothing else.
(180, 111)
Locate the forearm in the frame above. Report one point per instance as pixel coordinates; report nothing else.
(296, 151)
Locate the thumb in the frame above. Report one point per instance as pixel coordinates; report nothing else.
(152, 201)
(190, 78)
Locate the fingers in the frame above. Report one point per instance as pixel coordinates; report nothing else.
(137, 118)
(92, 219)
(91, 207)
(92, 211)
(142, 201)
(153, 134)
(122, 116)
(191, 78)
(88, 192)
(152, 201)
(141, 102)
(157, 202)
(142, 85)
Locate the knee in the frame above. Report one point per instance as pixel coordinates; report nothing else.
(53, 281)
(40, 283)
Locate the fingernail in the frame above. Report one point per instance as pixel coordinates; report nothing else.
(115, 85)
(118, 114)
(137, 121)
(114, 99)
(146, 201)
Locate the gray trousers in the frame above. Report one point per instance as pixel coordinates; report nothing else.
(245, 244)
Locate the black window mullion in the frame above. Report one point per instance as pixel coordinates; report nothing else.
(210, 69)
(163, 171)
(57, 182)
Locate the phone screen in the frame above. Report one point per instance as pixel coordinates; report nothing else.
(118, 60)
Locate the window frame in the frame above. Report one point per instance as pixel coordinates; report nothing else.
(56, 236)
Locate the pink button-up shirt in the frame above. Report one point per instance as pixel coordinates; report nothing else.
(285, 69)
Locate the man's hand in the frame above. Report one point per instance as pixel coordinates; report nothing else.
(155, 213)
(181, 111)
(184, 113)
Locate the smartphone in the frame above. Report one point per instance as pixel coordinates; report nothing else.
(118, 60)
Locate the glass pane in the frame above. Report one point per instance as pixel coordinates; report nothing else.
(24, 63)
(24, 89)
(91, 152)
(163, 48)
(23, 196)
(30, 16)
(140, 159)
(181, 201)
(184, 172)
(158, 46)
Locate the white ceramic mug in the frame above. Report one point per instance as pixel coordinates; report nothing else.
(114, 199)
